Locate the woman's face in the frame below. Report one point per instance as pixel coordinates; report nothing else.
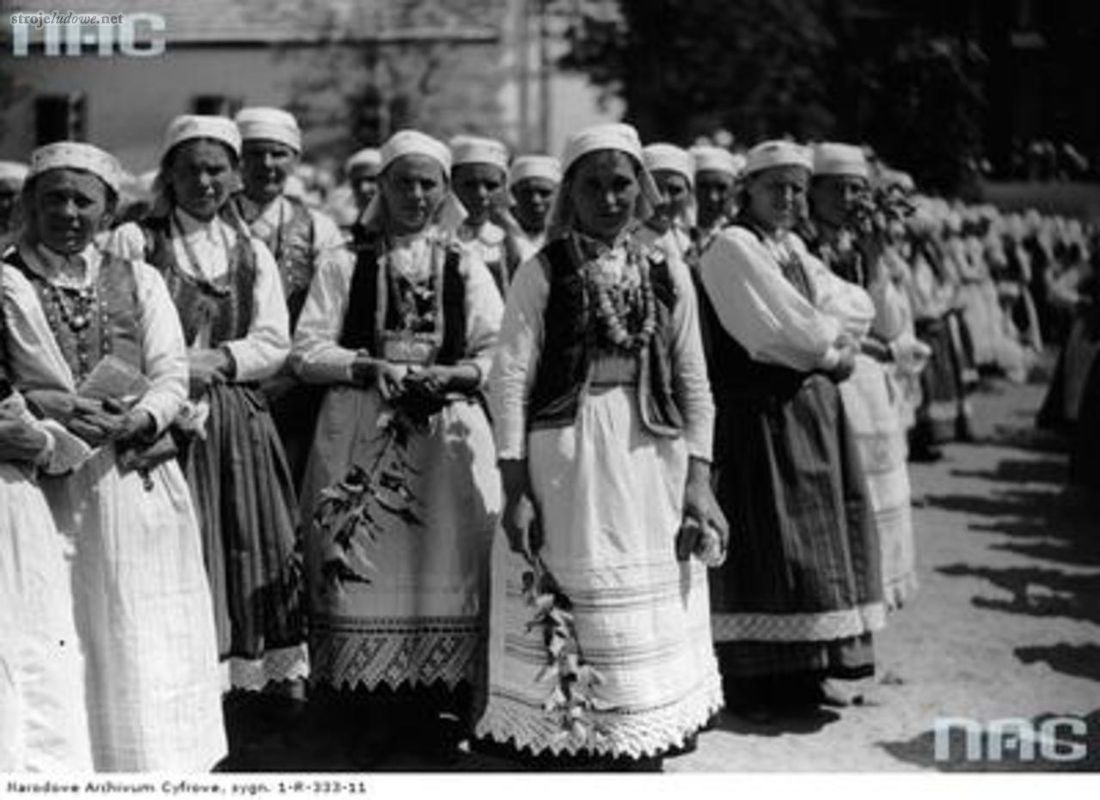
(202, 174)
(777, 196)
(533, 196)
(412, 187)
(68, 208)
(265, 166)
(713, 194)
(604, 192)
(675, 191)
(478, 186)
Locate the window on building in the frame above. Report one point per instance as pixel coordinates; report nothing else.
(58, 117)
(216, 104)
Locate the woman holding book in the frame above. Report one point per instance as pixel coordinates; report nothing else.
(94, 344)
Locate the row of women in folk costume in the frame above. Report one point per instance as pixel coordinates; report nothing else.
(600, 453)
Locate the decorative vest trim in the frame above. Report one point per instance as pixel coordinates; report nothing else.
(113, 324)
(570, 344)
(292, 247)
(229, 307)
(360, 319)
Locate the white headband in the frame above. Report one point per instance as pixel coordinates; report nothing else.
(367, 157)
(716, 159)
(202, 126)
(478, 150)
(777, 153)
(669, 157)
(534, 166)
(835, 158)
(272, 124)
(13, 173)
(77, 155)
(611, 136)
(415, 143)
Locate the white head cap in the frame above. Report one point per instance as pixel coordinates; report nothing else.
(415, 143)
(669, 157)
(80, 156)
(610, 136)
(534, 166)
(367, 157)
(13, 173)
(272, 124)
(777, 153)
(478, 150)
(834, 158)
(717, 159)
(202, 126)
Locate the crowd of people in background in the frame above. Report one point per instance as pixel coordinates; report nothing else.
(558, 455)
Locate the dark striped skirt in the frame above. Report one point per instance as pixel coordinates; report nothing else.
(247, 508)
(944, 413)
(801, 590)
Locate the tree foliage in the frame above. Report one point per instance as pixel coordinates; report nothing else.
(768, 68)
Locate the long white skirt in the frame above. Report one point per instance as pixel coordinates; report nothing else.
(144, 612)
(611, 499)
(872, 404)
(43, 722)
(421, 619)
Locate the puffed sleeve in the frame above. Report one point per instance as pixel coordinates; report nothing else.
(761, 309)
(317, 356)
(262, 352)
(690, 383)
(484, 310)
(516, 358)
(165, 354)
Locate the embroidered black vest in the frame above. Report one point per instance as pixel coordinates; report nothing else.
(230, 307)
(358, 331)
(113, 325)
(292, 246)
(570, 343)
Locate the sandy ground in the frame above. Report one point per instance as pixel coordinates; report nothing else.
(1006, 624)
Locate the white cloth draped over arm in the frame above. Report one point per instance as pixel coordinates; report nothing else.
(689, 367)
(164, 352)
(262, 352)
(317, 356)
(484, 310)
(519, 346)
(761, 309)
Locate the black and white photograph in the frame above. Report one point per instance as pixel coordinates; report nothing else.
(401, 388)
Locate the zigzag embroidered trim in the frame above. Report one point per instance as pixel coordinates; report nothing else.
(420, 658)
(252, 675)
(822, 627)
(640, 734)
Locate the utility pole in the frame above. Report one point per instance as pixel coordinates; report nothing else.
(545, 70)
(523, 72)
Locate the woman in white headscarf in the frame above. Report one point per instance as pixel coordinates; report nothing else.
(227, 290)
(401, 337)
(603, 419)
(94, 344)
(673, 171)
(797, 603)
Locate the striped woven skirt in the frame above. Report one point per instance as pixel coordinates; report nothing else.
(247, 508)
(944, 413)
(802, 588)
